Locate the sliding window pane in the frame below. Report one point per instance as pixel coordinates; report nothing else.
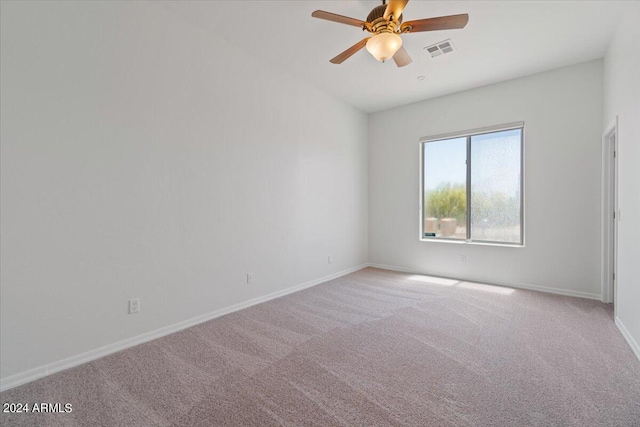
(496, 186)
(444, 198)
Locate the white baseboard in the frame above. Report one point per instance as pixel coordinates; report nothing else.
(565, 292)
(51, 368)
(627, 336)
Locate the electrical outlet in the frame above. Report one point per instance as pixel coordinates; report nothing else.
(249, 278)
(329, 259)
(134, 305)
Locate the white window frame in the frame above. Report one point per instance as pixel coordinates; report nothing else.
(468, 134)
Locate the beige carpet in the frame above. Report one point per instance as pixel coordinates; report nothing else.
(374, 348)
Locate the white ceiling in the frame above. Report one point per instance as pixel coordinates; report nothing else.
(503, 40)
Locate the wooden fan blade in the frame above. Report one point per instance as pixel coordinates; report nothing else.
(395, 8)
(401, 57)
(347, 53)
(337, 18)
(451, 22)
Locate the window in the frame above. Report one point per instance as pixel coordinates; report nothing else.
(472, 185)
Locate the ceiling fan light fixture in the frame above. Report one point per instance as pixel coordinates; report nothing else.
(384, 45)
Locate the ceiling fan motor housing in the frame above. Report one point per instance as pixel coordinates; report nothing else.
(378, 13)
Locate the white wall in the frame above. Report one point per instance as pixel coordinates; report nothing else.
(622, 98)
(143, 157)
(562, 111)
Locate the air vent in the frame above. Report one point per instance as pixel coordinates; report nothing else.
(440, 48)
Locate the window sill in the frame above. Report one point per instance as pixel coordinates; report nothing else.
(474, 243)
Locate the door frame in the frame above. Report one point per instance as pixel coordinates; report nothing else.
(610, 213)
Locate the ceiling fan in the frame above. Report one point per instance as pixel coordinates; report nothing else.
(385, 23)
